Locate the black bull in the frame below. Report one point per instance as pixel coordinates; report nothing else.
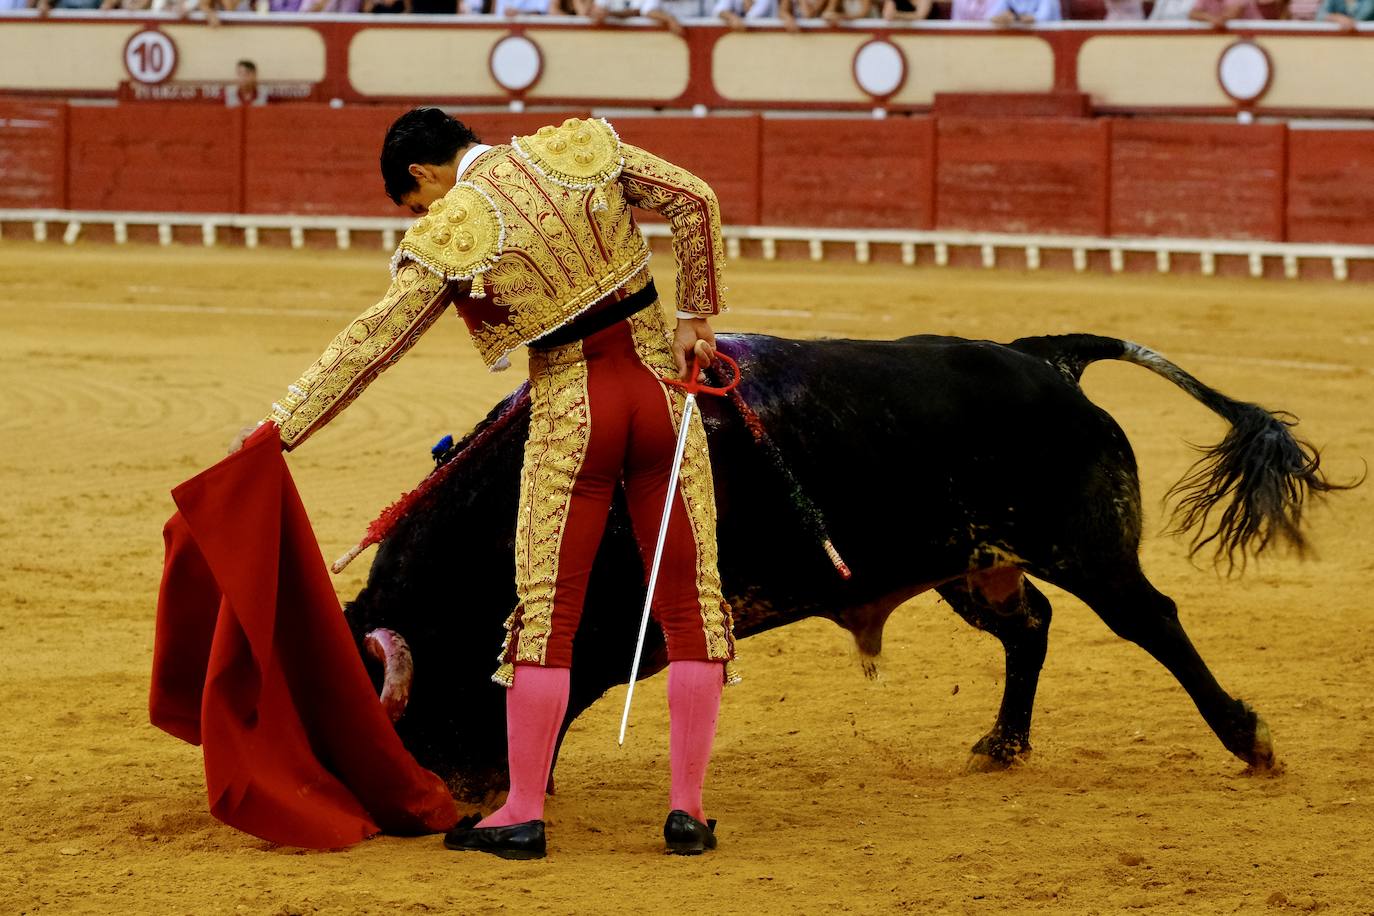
(936, 462)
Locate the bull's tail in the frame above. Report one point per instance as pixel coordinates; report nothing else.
(1257, 480)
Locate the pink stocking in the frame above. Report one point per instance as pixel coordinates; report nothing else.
(693, 704)
(535, 706)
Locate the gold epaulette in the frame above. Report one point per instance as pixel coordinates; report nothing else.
(460, 237)
(581, 154)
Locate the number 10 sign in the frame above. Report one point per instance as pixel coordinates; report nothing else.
(150, 57)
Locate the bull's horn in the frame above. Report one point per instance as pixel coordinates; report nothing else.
(390, 648)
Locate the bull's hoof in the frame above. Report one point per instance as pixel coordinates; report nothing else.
(1249, 739)
(984, 763)
(994, 753)
(869, 663)
(1261, 756)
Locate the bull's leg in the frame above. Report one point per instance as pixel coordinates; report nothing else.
(1005, 604)
(1135, 610)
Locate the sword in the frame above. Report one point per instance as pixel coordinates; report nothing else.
(693, 386)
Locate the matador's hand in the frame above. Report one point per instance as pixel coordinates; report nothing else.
(694, 335)
(242, 435)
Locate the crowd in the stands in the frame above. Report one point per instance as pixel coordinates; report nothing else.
(791, 14)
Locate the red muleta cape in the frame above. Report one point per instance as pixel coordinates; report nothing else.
(253, 660)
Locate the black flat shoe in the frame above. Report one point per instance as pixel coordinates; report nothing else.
(518, 841)
(687, 836)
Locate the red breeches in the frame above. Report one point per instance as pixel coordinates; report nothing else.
(600, 419)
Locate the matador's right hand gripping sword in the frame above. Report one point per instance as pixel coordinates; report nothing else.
(693, 386)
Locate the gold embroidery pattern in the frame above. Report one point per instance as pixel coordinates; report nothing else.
(505, 672)
(652, 344)
(560, 430)
(691, 208)
(460, 237)
(580, 155)
(360, 352)
(559, 257)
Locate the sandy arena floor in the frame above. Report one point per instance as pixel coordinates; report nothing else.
(124, 371)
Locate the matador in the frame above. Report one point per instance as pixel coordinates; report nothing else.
(533, 243)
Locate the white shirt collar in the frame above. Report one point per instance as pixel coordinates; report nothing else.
(471, 155)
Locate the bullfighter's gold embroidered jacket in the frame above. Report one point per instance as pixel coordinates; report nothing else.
(533, 234)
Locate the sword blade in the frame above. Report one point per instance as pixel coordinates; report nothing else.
(658, 556)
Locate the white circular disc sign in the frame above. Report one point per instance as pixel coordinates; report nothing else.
(516, 63)
(1244, 71)
(150, 57)
(879, 68)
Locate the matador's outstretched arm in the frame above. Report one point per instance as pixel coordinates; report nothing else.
(371, 342)
(692, 211)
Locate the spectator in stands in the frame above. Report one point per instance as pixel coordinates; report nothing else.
(527, 8)
(906, 10)
(789, 11)
(1124, 10)
(970, 10)
(836, 10)
(181, 8)
(1346, 13)
(737, 12)
(601, 10)
(1220, 12)
(891, 10)
(387, 6)
(212, 8)
(1171, 10)
(1023, 12)
(800, 9)
(245, 92)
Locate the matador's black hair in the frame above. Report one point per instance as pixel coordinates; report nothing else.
(423, 136)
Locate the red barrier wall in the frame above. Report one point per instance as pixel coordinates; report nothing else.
(1079, 177)
(308, 159)
(318, 160)
(723, 151)
(1331, 186)
(875, 174)
(1015, 175)
(147, 158)
(33, 154)
(1198, 180)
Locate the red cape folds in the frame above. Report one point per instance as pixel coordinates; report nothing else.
(253, 660)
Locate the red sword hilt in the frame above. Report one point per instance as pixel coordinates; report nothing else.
(694, 385)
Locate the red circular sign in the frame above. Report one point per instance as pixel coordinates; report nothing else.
(150, 57)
